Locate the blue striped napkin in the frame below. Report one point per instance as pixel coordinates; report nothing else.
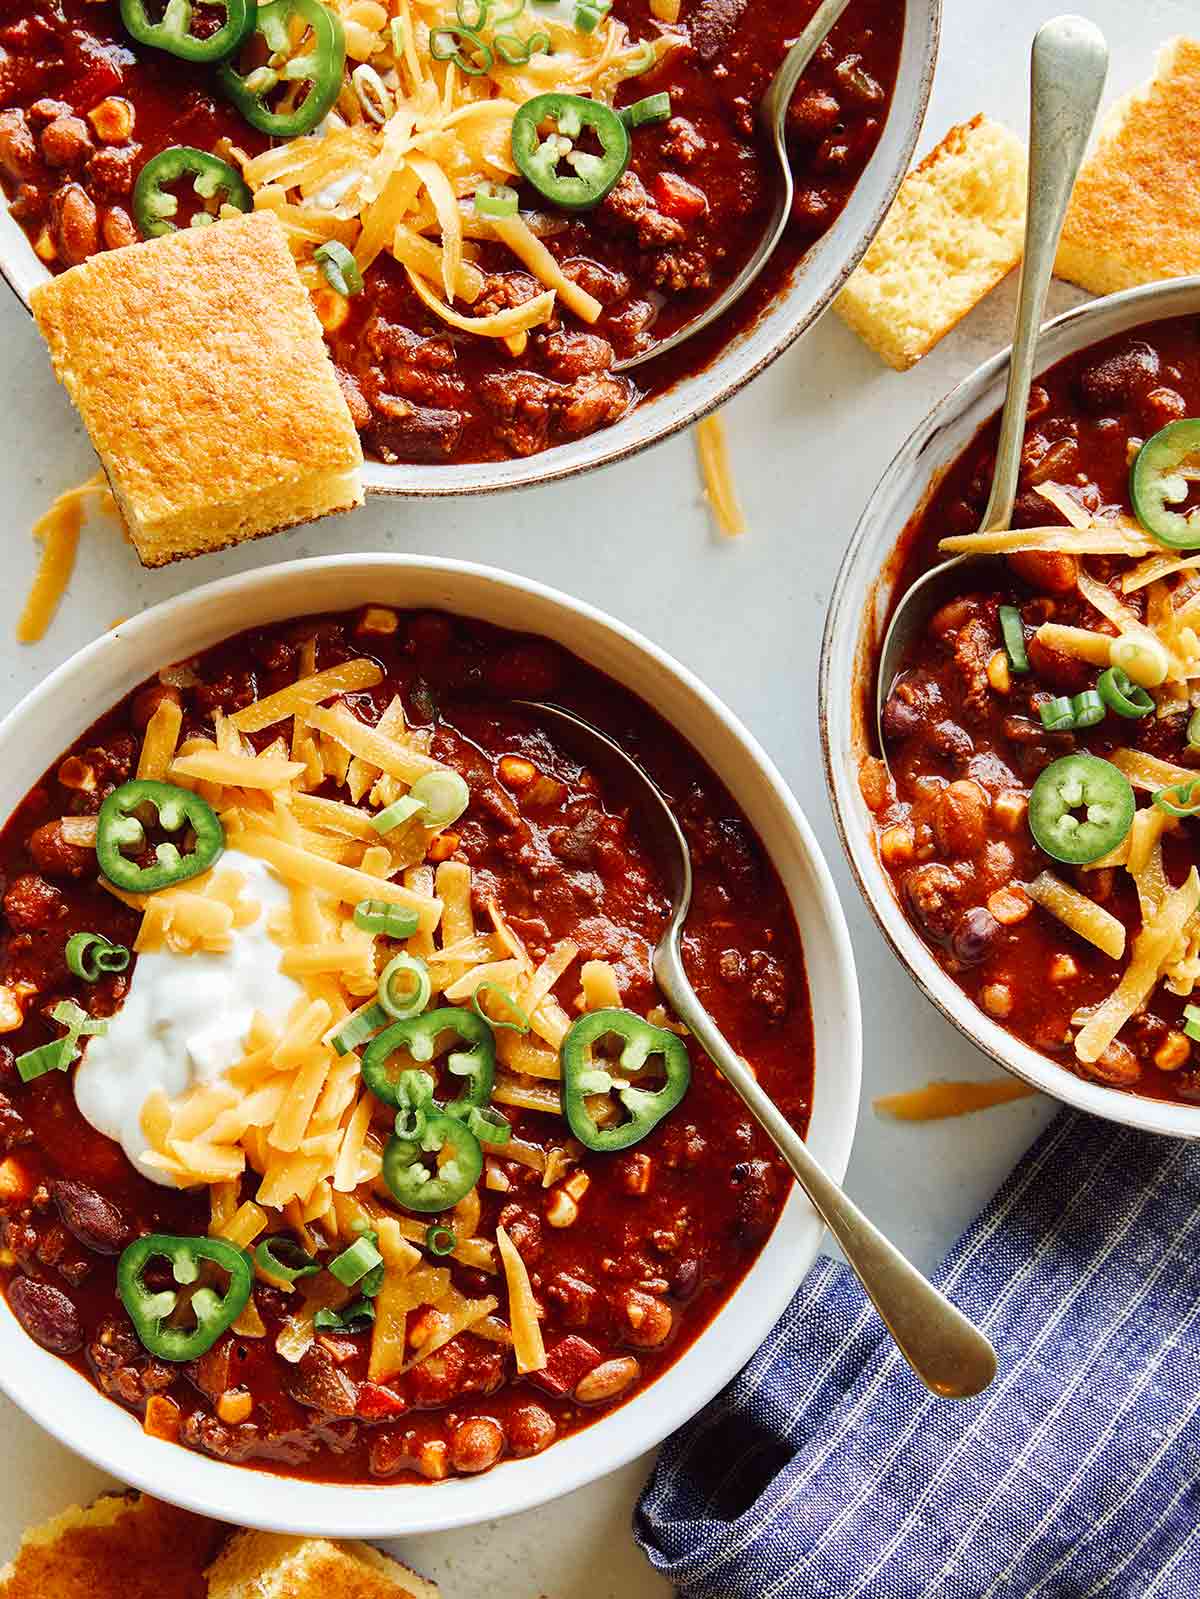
(825, 1471)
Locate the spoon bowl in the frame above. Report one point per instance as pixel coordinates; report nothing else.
(772, 116)
(1069, 64)
(948, 1353)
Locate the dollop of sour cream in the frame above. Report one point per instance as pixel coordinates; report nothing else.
(184, 1020)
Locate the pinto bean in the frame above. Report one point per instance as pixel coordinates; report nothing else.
(648, 1321)
(1046, 570)
(18, 150)
(608, 1380)
(960, 819)
(476, 1445)
(94, 1220)
(118, 228)
(55, 856)
(66, 142)
(75, 222)
(46, 1314)
(530, 1430)
(1118, 1066)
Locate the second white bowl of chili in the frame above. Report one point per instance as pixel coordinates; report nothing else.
(476, 602)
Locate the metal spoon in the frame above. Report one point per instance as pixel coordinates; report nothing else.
(772, 115)
(1069, 66)
(949, 1355)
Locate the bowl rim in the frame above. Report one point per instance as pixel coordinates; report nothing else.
(65, 1403)
(844, 650)
(805, 297)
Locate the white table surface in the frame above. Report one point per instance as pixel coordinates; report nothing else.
(808, 440)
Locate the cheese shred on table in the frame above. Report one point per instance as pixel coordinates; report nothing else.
(57, 530)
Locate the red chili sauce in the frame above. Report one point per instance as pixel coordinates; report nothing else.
(964, 754)
(684, 219)
(665, 1231)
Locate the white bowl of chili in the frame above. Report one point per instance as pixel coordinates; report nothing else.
(861, 604)
(33, 737)
(718, 366)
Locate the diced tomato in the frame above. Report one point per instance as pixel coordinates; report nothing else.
(676, 197)
(377, 1404)
(569, 1360)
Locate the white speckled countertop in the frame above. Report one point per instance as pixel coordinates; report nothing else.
(808, 440)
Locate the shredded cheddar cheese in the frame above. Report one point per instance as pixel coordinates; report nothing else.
(713, 453)
(57, 530)
(937, 1101)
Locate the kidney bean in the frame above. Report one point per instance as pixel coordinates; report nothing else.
(974, 935)
(1050, 571)
(476, 1445)
(608, 1380)
(94, 1220)
(46, 1314)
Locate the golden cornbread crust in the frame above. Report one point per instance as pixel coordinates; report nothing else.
(199, 368)
(125, 1546)
(266, 1565)
(1135, 215)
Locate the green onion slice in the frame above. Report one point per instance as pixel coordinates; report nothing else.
(488, 1125)
(354, 1318)
(1191, 1021)
(394, 921)
(340, 268)
(358, 1028)
(521, 1025)
(55, 1057)
(283, 1258)
(1123, 696)
(473, 14)
(1088, 709)
(440, 1239)
(655, 108)
(1181, 799)
(1058, 714)
(518, 52)
(397, 813)
(1193, 727)
(444, 795)
(444, 46)
(640, 63)
(90, 955)
(1012, 630)
(589, 14)
(392, 987)
(353, 1264)
(495, 200)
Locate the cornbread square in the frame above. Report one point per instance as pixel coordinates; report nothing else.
(125, 1546)
(1135, 215)
(267, 1565)
(197, 363)
(956, 229)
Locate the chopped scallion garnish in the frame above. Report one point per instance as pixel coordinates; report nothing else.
(393, 921)
(404, 987)
(353, 1264)
(397, 813)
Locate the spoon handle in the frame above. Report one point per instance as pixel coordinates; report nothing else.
(950, 1356)
(1069, 66)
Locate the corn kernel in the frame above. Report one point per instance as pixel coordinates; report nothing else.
(997, 1000)
(562, 1211)
(1009, 906)
(1063, 969)
(162, 1418)
(11, 1015)
(635, 1174)
(112, 119)
(1174, 1052)
(432, 1461)
(495, 1179)
(378, 620)
(515, 772)
(997, 672)
(442, 847)
(1009, 809)
(234, 1405)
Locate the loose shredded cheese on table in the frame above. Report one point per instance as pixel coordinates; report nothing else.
(713, 453)
(936, 1101)
(58, 531)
